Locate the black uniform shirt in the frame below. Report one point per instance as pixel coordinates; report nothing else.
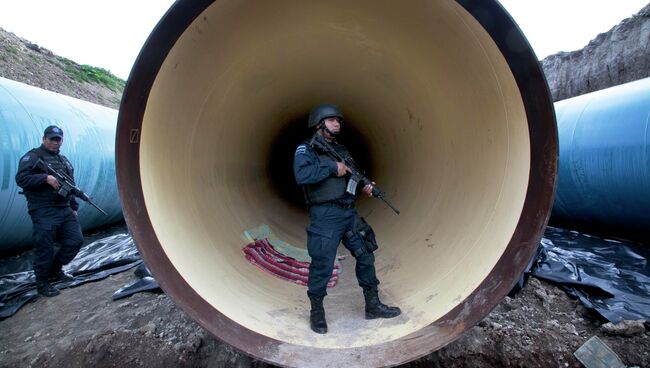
(33, 180)
(312, 169)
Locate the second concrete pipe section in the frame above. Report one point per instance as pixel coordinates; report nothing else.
(447, 108)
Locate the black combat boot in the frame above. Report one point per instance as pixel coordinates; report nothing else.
(60, 276)
(317, 315)
(46, 289)
(376, 309)
(57, 274)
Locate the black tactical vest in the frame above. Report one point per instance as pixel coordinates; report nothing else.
(330, 189)
(46, 196)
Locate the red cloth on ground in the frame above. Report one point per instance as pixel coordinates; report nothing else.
(265, 257)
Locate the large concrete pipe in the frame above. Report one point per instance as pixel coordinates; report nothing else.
(446, 106)
(604, 172)
(25, 111)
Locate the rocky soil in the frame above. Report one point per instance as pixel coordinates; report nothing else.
(26, 62)
(539, 327)
(615, 57)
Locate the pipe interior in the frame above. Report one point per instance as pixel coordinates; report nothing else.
(432, 111)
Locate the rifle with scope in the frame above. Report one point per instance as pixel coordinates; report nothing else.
(357, 178)
(67, 184)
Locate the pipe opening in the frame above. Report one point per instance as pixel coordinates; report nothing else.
(433, 112)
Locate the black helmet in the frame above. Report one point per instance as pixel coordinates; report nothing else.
(323, 111)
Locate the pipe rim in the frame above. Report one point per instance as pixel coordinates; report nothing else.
(530, 227)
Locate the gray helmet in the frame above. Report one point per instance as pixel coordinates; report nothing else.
(323, 111)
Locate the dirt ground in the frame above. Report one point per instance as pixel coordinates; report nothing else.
(83, 327)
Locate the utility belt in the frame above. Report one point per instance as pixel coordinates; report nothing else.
(341, 204)
(367, 235)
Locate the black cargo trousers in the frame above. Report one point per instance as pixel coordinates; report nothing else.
(52, 224)
(329, 222)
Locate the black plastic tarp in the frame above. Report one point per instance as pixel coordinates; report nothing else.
(612, 277)
(95, 261)
(144, 282)
(609, 276)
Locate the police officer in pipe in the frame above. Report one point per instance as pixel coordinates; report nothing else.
(333, 218)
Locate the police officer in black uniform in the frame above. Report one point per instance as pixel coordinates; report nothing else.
(333, 218)
(53, 215)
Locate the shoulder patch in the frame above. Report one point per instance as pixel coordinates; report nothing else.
(26, 158)
(301, 149)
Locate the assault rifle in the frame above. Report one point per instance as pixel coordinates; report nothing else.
(357, 175)
(67, 184)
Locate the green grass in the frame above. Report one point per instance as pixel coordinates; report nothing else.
(35, 59)
(91, 74)
(12, 49)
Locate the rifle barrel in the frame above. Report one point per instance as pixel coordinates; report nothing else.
(389, 204)
(97, 207)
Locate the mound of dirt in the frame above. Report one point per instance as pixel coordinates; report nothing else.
(615, 57)
(26, 62)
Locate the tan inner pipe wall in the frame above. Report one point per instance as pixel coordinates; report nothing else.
(423, 83)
